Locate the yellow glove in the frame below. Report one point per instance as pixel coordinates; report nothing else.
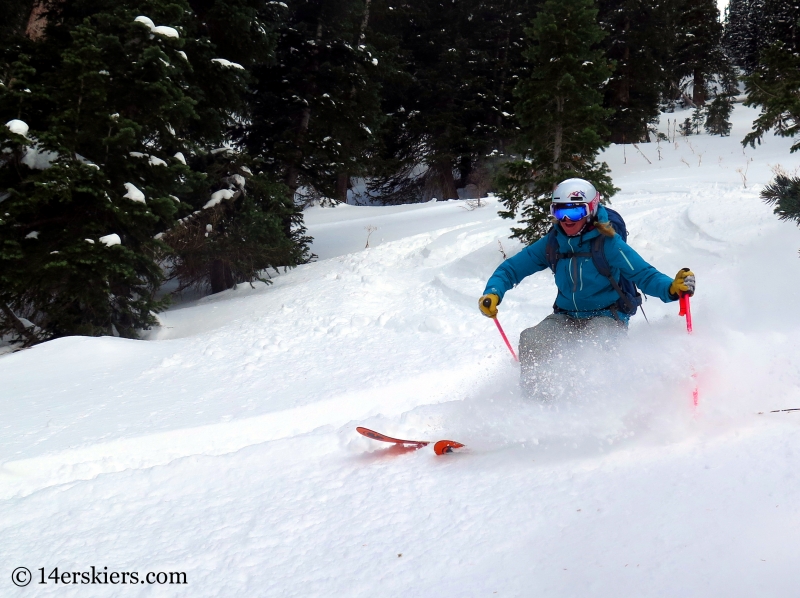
(684, 283)
(488, 305)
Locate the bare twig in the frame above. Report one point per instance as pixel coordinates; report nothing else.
(505, 257)
(473, 204)
(370, 229)
(641, 152)
(743, 172)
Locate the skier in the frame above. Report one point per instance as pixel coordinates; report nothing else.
(591, 305)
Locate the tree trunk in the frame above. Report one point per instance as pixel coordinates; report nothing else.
(439, 181)
(37, 22)
(363, 31)
(464, 170)
(293, 172)
(221, 276)
(342, 185)
(699, 92)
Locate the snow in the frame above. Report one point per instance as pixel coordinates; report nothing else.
(157, 161)
(166, 31)
(145, 20)
(34, 157)
(109, 240)
(225, 446)
(179, 157)
(34, 234)
(160, 29)
(18, 127)
(217, 197)
(133, 193)
(227, 63)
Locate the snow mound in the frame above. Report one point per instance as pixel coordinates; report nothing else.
(18, 127)
(217, 197)
(227, 63)
(110, 240)
(133, 193)
(166, 31)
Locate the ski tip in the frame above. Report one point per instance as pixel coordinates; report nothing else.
(446, 446)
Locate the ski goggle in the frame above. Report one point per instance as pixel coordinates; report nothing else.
(569, 211)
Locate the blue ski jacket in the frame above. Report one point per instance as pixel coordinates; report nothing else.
(582, 291)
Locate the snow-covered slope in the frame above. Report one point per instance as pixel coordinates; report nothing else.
(225, 446)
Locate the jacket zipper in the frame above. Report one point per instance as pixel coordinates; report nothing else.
(571, 265)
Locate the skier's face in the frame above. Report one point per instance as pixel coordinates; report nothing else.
(573, 228)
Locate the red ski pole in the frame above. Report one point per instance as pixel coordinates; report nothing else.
(686, 310)
(503, 334)
(488, 303)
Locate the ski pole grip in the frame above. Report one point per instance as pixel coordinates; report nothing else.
(686, 310)
(487, 302)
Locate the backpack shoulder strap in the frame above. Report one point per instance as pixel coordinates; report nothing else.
(601, 263)
(551, 249)
(599, 256)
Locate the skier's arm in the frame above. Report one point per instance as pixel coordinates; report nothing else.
(634, 268)
(510, 273)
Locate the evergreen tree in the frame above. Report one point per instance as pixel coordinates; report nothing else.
(256, 225)
(754, 25)
(717, 113)
(784, 194)
(740, 37)
(780, 23)
(717, 116)
(15, 18)
(451, 109)
(120, 113)
(696, 56)
(635, 41)
(78, 235)
(775, 87)
(560, 112)
(316, 108)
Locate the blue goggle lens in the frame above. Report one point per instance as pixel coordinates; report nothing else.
(569, 211)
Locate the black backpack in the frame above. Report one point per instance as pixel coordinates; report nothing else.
(629, 297)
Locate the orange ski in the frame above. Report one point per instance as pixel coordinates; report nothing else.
(440, 448)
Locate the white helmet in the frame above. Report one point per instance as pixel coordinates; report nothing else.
(574, 191)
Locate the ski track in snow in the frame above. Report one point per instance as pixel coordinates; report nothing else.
(225, 446)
